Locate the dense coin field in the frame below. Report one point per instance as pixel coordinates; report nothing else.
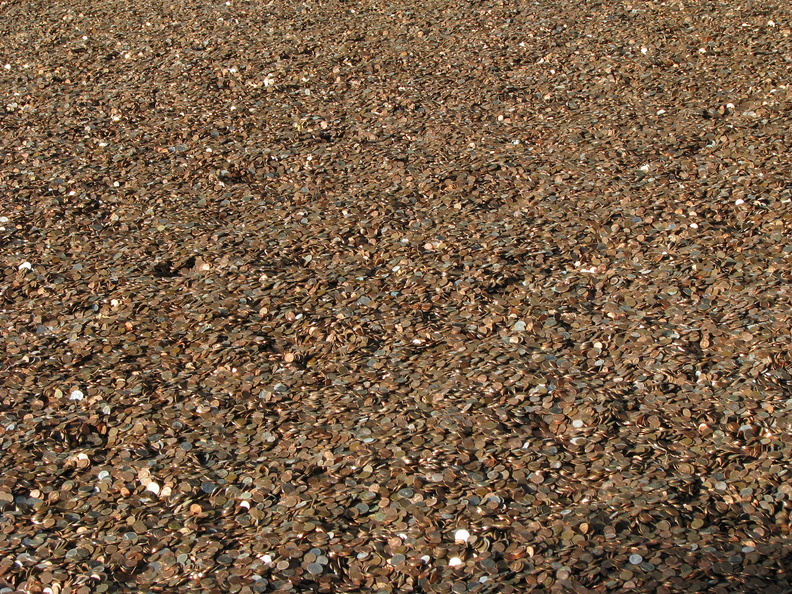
(395, 296)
